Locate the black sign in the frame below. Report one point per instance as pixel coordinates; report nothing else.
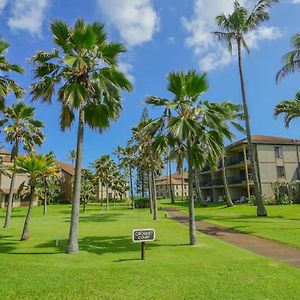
(143, 235)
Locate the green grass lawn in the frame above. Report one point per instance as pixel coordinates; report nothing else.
(282, 223)
(108, 266)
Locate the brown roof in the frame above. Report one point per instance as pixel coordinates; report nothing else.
(265, 139)
(6, 190)
(68, 168)
(3, 151)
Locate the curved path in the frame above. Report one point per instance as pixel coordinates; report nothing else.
(268, 248)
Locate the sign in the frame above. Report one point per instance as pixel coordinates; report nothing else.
(143, 235)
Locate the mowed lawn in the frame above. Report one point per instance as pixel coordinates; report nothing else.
(282, 223)
(108, 266)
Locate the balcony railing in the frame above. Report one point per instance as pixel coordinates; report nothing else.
(205, 183)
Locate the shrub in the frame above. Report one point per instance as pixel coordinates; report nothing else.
(141, 202)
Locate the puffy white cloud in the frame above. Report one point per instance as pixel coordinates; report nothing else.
(127, 68)
(210, 53)
(28, 15)
(136, 20)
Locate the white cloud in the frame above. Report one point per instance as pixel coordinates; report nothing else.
(28, 15)
(127, 68)
(209, 52)
(136, 20)
(171, 39)
(2, 4)
(295, 1)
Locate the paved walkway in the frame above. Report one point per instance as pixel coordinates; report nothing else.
(268, 248)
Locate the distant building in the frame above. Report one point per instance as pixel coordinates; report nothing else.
(67, 171)
(277, 160)
(102, 190)
(179, 184)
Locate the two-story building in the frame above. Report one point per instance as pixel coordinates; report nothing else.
(277, 159)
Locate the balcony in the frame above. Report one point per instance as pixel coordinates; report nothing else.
(218, 182)
(205, 183)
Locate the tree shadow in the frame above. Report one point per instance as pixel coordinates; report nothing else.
(7, 244)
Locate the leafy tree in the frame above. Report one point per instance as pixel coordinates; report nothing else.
(83, 69)
(36, 167)
(7, 85)
(234, 27)
(20, 129)
(197, 125)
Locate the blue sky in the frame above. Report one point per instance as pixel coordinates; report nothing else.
(161, 36)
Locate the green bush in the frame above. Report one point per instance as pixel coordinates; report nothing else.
(141, 202)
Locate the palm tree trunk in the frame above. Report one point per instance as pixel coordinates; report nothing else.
(45, 198)
(131, 188)
(101, 194)
(199, 194)
(107, 200)
(84, 203)
(261, 209)
(73, 235)
(155, 215)
(11, 189)
(182, 185)
(143, 184)
(192, 225)
(228, 197)
(150, 194)
(25, 233)
(170, 182)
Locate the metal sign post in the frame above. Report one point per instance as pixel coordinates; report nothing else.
(142, 236)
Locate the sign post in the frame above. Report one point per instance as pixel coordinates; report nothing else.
(142, 236)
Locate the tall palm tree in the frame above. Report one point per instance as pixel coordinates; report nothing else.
(126, 157)
(234, 27)
(83, 68)
(72, 156)
(197, 125)
(289, 108)
(7, 85)
(291, 59)
(20, 129)
(36, 167)
(87, 187)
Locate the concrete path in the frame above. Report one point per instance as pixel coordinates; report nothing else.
(268, 248)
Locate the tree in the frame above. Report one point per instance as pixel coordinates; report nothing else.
(83, 68)
(20, 129)
(197, 125)
(7, 85)
(36, 167)
(234, 27)
(87, 187)
(289, 108)
(126, 158)
(105, 167)
(72, 156)
(291, 59)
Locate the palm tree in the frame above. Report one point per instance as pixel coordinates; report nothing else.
(291, 59)
(289, 108)
(36, 167)
(83, 67)
(7, 85)
(20, 128)
(87, 187)
(234, 27)
(126, 157)
(197, 125)
(72, 156)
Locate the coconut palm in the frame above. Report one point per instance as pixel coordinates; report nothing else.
(21, 129)
(36, 167)
(72, 156)
(289, 108)
(197, 125)
(87, 187)
(126, 158)
(7, 85)
(291, 59)
(234, 27)
(83, 69)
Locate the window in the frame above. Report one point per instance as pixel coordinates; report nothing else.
(280, 172)
(278, 152)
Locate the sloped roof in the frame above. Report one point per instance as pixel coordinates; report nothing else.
(68, 168)
(167, 181)
(265, 139)
(174, 176)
